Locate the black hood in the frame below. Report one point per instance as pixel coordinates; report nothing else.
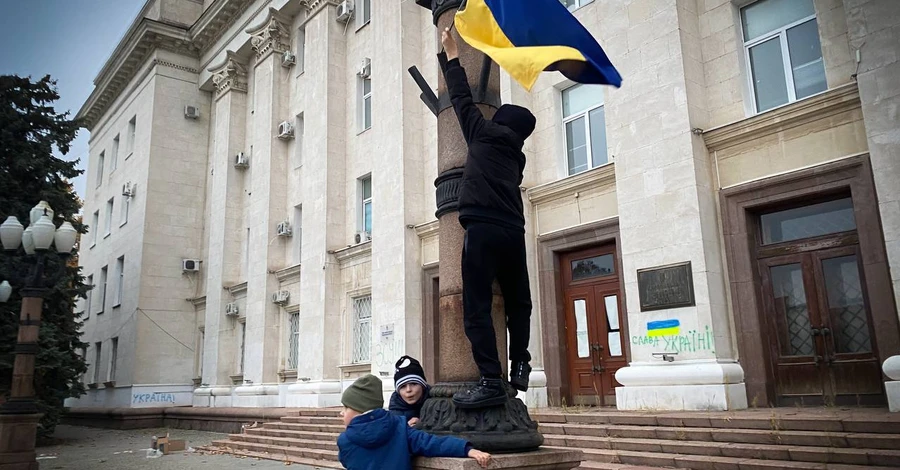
(517, 118)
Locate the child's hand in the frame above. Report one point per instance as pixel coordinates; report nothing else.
(412, 421)
(483, 458)
(449, 43)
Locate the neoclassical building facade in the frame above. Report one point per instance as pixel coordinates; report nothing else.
(723, 231)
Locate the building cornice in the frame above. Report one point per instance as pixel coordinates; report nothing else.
(428, 229)
(353, 252)
(603, 175)
(289, 273)
(826, 104)
(215, 20)
(237, 289)
(142, 39)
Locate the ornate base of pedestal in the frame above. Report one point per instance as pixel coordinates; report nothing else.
(503, 429)
(17, 436)
(541, 459)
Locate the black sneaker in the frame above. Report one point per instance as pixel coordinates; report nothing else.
(488, 392)
(518, 375)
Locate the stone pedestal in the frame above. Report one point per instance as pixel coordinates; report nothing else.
(17, 436)
(891, 368)
(543, 459)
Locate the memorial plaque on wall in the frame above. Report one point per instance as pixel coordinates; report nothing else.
(666, 287)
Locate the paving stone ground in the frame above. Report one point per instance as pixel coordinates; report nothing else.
(81, 448)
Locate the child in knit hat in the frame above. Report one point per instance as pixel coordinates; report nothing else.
(376, 440)
(411, 390)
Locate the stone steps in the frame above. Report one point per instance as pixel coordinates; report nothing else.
(722, 435)
(276, 452)
(704, 462)
(277, 455)
(752, 440)
(317, 444)
(871, 457)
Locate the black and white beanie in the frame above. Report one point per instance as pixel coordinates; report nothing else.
(409, 370)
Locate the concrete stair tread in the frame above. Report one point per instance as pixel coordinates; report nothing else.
(706, 462)
(313, 435)
(868, 422)
(615, 466)
(747, 436)
(268, 456)
(278, 451)
(285, 441)
(882, 457)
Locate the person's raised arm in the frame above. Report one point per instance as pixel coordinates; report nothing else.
(470, 118)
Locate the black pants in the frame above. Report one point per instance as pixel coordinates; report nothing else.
(489, 252)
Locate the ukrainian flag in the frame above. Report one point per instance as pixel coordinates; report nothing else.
(527, 37)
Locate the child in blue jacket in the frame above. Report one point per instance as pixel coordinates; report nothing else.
(376, 439)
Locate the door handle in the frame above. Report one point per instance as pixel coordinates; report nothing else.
(826, 331)
(816, 332)
(597, 369)
(597, 347)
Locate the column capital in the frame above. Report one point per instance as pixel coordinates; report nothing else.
(272, 35)
(230, 75)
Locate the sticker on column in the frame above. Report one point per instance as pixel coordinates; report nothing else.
(663, 328)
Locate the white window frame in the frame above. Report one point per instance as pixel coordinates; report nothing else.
(301, 50)
(110, 207)
(132, 133)
(292, 354)
(297, 234)
(88, 296)
(358, 326)
(363, 201)
(95, 227)
(587, 131)
(363, 13)
(104, 280)
(100, 161)
(98, 356)
(781, 33)
(113, 357)
(578, 4)
(120, 282)
(114, 163)
(243, 347)
(123, 216)
(365, 99)
(298, 141)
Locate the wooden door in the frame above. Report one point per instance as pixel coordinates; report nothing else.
(595, 346)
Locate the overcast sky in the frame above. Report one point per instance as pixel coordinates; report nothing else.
(68, 39)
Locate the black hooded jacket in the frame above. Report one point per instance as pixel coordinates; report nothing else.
(399, 406)
(490, 184)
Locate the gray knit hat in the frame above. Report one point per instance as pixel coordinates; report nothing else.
(364, 395)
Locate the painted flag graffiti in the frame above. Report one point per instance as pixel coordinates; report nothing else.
(663, 328)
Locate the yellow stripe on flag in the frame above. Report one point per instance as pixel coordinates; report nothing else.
(663, 332)
(477, 26)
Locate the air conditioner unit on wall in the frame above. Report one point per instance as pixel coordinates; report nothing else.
(191, 112)
(286, 130)
(128, 189)
(288, 59)
(281, 297)
(345, 11)
(231, 309)
(241, 161)
(284, 229)
(190, 265)
(365, 68)
(362, 237)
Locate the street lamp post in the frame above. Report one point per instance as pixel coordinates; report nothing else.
(19, 416)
